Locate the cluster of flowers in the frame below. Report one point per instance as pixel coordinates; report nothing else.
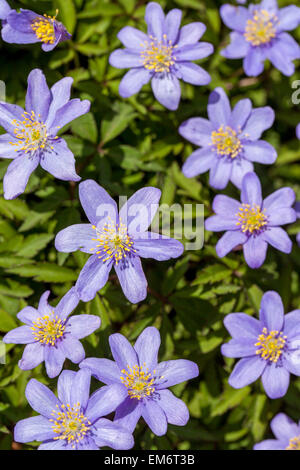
(229, 141)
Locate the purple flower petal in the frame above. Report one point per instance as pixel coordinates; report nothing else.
(254, 62)
(246, 371)
(198, 162)
(270, 5)
(159, 247)
(111, 435)
(4, 9)
(40, 398)
(60, 94)
(259, 120)
(218, 108)
(128, 413)
(138, 212)
(196, 51)
(289, 18)
(271, 311)
(36, 428)
(279, 239)
(197, 130)
(282, 216)
(229, 241)
(218, 223)
(155, 417)
(64, 385)
(20, 335)
(104, 370)
(28, 315)
(76, 237)
(225, 205)
(44, 308)
(132, 38)
(17, 175)
(298, 131)
(147, 346)
(255, 251)
(55, 445)
(234, 17)
(125, 59)
(192, 73)
(283, 427)
(132, 279)
(190, 33)
(59, 161)
(22, 21)
(172, 24)
(122, 351)
(242, 325)
(155, 18)
(38, 95)
(240, 114)
(239, 169)
(291, 360)
(72, 349)
(242, 347)
(33, 356)
(280, 199)
(269, 444)
(238, 47)
(54, 360)
(251, 190)
(92, 278)
(174, 372)
(7, 149)
(175, 409)
(275, 380)
(292, 323)
(277, 55)
(133, 81)
(166, 89)
(83, 325)
(260, 151)
(67, 113)
(96, 202)
(67, 304)
(220, 173)
(105, 401)
(12, 36)
(80, 390)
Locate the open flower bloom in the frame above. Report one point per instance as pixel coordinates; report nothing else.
(269, 347)
(286, 432)
(73, 421)
(253, 223)
(50, 335)
(145, 381)
(229, 140)
(28, 27)
(4, 10)
(116, 240)
(163, 55)
(31, 137)
(259, 33)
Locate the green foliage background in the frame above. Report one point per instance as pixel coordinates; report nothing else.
(125, 145)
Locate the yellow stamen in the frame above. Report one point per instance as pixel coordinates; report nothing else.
(114, 243)
(158, 55)
(270, 344)
(261, 29)
(31, 133)
(251, 219)
(70, 423)
(139, 381)
(294, 444)
(226, 141)
(48, 329)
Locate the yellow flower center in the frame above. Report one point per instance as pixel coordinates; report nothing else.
(261, 29)
(294, 444)
(31, 133)
(158, 55)
(44, 28)
(226, 141)
(114, 243)
(270, 344)
(48, 329)
(251, 219)
(70, 423)
(139, 381)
